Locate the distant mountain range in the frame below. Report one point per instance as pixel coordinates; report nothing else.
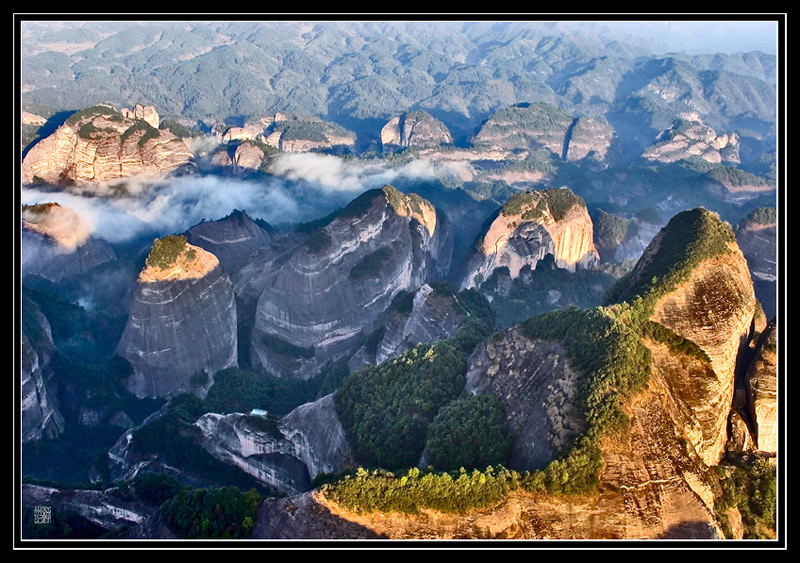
(361, 74)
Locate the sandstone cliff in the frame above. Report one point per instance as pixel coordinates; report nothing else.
(693, 280)
(321, 297)
(431, 313)
(40, 415)
(762, 379)
(538, 390)
(231, 239)
(108, 509)
(654, 480)
(688, 137)
(756, 237)
(540, 125)
(100, 144)
(414, 129)
(56, 243)
(182, 320)
(308, 441)
(527, 228)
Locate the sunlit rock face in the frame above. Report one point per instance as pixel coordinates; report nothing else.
(322, 297)
(529, 227)
(414, 129)
(56, 243)
(100, 144)
(763, 380)
(182, 322)
(712, 304)
(688, 137)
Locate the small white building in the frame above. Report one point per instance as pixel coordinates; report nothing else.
(258, 412)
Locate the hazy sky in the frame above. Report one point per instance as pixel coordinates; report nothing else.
(700, 36)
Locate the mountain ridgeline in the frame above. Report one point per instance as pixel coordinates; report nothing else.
(350, 312)
(480, 281)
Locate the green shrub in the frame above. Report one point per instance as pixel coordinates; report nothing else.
(469, 432)
(165, 251)
(749, 484)
(386, 409)
(223, 513)
(457, 492)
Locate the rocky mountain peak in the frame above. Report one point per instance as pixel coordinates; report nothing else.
(528, 227)
(99, 143)
(688, 136)
(146, 113)
(414, 129)
(57, 223)
(412, 205)
(172, 258)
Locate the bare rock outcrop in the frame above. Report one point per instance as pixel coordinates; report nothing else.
(231, 239)
(99, 144)
(40, 414)
(756, 237)
(697, 281)
(56, 243)
(321, 297)
(145, 113)
(108, 509)
(530, 126)
(538, 390)
(762, 376)
(182, 320)
(414, 129)
(527, 228)
(687, 137)
(308, 441)
(589, 138)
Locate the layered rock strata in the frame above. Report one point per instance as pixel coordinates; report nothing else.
(231, 239)
(529, 227)
(182, 322)
(710, 303)
(40, 415)
(688, 137)
(100, 144)
(324, 295)
(305, 443)
(538, 390)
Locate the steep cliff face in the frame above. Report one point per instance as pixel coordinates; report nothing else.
(763, 382)
(56, 243)
(756, 237)
(308, 441)
(182, 320)
(40, 415)
(426, 315)
(109, 509)
(589, 138)
(528, 227)
(99, 144)
(414, 129)
(526, 126)
(689, 136)
(231, 239)
(318, 300)
(537, 389)
(694, 281)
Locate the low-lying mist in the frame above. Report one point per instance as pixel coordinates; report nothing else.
(300, 187)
